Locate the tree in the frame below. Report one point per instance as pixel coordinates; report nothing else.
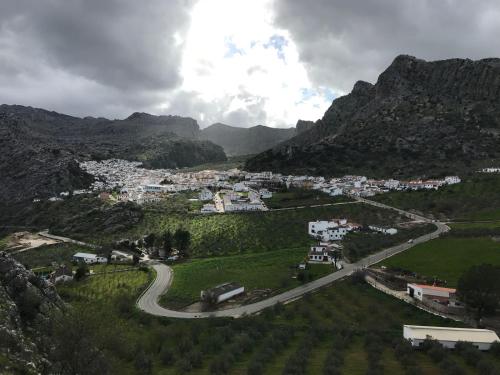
(182, 239)
(81, 271)
(135, 259)
(149, 240)
(479, 289)
(336, 255)
(168, 240)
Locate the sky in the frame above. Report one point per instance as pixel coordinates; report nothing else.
(239, 62)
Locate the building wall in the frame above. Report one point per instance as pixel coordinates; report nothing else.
(230, 294)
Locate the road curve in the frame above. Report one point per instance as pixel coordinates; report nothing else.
(148, 301)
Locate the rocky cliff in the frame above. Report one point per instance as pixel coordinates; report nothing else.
(26, 303)
(40, 148)
(419, 119)
(246, 141)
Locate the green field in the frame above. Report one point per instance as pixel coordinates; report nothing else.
(44, 255)
(476, 198)
(213, 235)
(301, 197)
(135, 343)
(231, 163)
(273, 270)
(447, 258)
(102, 287)
(475, 225)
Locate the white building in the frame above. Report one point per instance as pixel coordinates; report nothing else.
(206, 195)
(154, 188)
(240, 187)
(391, 231)
(208, 208)
(222, 292)
(391, 184)
(333, 230)
(120, 256)
(450, 180)
(490, 170)
(265, 194)
(448, 337)
(89, 258)
(435, 293)
(324, 253)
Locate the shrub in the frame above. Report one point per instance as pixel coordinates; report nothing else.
(166, 356)
(486, 367)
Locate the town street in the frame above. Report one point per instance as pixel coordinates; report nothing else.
(148, 301)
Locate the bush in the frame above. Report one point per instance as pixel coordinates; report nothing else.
(495, 349)
(450, 367)
(437, 353)
(29, 304)
(486, 367)
(166, 356)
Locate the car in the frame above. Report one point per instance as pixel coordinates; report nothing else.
(410, 240)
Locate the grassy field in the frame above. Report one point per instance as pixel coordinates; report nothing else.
(213, 235)
(447, 258)
(136, 343)
(273, 270)
(476, 225)
(102, 287)
(301, 197)
(44, 255)
(232, 162)
(477, 198)
(360, 244)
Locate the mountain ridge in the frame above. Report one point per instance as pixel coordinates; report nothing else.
(238, 141)
(40, 148)
(420, 118)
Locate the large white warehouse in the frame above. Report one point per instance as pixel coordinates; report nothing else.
(448, 337)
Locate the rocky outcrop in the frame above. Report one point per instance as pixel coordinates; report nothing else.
(26, 301)
(303, 125)
(420, 119)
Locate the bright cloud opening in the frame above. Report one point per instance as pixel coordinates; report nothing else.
(240, 67)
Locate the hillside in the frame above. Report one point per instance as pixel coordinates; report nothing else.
(40, 148)
(26, 304)
(246, 141)
(419, 119)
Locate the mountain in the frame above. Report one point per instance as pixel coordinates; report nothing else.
(40, 149)
(245, 141)
(27, 302)
(419, 119)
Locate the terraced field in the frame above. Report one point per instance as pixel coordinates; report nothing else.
(343, 329)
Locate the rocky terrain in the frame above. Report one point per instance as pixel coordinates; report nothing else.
(246, 141)
(26, 304)
(419, 119)
(40, 149)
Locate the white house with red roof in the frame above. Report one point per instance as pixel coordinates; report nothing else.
(435, 293)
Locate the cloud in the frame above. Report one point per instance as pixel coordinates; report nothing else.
(214, 61)
(102, 57)
(240, 69)
(344, 41)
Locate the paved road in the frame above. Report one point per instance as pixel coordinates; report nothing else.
(148, 301)
(312, 206)
(46, 234)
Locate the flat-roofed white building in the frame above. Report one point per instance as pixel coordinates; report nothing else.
(448, 337)
(89, 258)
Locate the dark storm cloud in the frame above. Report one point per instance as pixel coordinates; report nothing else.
(344, 41)
(121, 51)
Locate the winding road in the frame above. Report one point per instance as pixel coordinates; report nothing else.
(148, 301)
